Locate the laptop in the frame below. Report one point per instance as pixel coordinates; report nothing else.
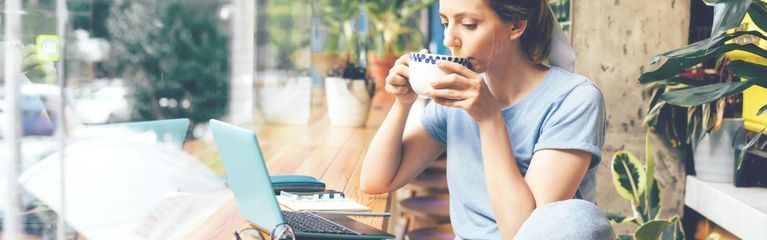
(250, 182)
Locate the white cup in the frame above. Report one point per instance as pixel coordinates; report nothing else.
(423, 69)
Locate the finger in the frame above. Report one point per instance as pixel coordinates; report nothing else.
(402, 60)
(397, 89)
(448, 94)
(448, 102)
(453, 67)
(453, 81)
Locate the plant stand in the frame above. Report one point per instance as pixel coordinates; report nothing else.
(348, 101)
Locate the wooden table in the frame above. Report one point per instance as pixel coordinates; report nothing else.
(331, 153)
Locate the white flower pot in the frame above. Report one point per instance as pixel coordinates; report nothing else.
(714, 154)
(285, 99)
(348, 101)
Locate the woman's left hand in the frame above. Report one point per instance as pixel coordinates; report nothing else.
(465, 89)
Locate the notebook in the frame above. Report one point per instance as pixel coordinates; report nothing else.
(249, 179)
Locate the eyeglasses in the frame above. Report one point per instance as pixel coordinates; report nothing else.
(282, 231)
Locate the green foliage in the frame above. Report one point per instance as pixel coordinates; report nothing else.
(393, 31)
(686, 102)
(636, 183)
(174, 55)
(287, 22)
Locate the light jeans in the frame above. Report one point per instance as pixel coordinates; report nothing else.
(568, 219)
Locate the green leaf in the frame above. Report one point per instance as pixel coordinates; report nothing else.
(617, 218)
(677, 230)
(629, 177)
(651, 230)
(650, 199)
(748, 70)
(758, 13)
(690, 55)
(762, 110)
(650, 207)
(695, 96)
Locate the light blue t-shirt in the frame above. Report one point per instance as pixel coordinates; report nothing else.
(565, 111)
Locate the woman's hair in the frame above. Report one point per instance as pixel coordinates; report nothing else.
(536, 40)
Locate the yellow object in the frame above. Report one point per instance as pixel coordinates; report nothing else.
(747, 24)
(47, 47)
(754, 97)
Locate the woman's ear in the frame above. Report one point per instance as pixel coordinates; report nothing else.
(516, 28)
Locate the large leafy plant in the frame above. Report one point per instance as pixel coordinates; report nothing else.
(391, 22)
(702, 100)
(338, 22)
(636, 182)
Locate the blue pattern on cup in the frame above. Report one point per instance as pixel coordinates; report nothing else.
(432, 58)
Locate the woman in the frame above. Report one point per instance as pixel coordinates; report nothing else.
(523, 139)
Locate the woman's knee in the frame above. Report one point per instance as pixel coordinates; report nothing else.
(568, 219)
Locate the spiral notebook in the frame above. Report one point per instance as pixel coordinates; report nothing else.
(322, 201)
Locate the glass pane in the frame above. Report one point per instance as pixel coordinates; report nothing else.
(141, 79)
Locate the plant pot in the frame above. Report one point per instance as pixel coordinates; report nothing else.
(752, 171)
(285, 99)
(714, 154)
(348, 101)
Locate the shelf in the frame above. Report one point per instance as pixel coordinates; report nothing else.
(741, 211)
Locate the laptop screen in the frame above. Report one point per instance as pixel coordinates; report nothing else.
(247, 174)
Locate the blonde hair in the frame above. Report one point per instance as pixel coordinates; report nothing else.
(536, 40)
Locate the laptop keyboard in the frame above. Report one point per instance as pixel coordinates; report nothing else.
(308, 222)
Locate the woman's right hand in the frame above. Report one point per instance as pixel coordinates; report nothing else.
(398, 83)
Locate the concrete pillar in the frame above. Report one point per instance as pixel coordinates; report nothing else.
(614, 41)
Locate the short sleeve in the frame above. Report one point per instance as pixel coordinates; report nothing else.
(434, 120)
(577, 123)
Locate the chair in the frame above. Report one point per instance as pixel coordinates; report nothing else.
(426, 212)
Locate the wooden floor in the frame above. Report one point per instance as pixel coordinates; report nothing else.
(331, 153)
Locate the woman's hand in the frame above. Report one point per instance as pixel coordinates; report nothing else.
(465, 89)
(398, 83)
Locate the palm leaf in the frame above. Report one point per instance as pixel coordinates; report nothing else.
(673, 62)
(629, 178)
(696, 96)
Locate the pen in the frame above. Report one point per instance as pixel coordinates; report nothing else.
(355, 213)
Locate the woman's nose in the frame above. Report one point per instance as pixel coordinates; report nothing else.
(450, 41)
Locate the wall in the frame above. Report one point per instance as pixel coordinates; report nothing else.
(614, 40)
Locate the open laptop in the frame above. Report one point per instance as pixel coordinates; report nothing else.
(249, 179)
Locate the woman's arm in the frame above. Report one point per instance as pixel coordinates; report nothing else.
(395, 155)
(553, 175)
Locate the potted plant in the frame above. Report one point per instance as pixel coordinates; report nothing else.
(636, 182)
(392, 33)
(284, 85)
(347, 88)
(689, 101)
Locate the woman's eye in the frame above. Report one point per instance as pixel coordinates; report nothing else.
(469, 26)
(444, 24)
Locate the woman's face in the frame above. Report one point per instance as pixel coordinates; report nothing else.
(473, 30)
